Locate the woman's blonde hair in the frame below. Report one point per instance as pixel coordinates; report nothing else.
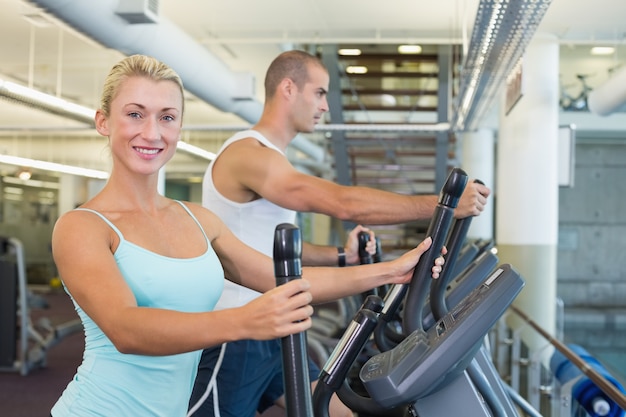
(136, 66)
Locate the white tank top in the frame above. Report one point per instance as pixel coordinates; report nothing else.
(253, 223)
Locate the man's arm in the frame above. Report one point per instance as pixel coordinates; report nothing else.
(247, 168)
(317, 255)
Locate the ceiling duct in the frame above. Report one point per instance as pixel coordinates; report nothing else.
(502, 31)
(609, 97)
(204, 75)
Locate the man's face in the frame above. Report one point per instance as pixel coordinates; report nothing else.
(312, 104)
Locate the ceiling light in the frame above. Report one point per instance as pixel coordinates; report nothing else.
(51, 166)
(24, 174)
(46, 102)
(409, 49)
(602, 50)
(28, 183)
(349, 52)
(195, 180)
(356, 69)
(194, 150)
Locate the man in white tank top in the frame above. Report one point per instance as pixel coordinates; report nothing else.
(253, 187)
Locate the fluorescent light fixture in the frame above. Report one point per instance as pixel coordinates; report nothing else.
(356, 69)
(52, 166)
(28, 183)
(46, 102)
(409, 49)
(602, 50)
(349, 52)
(194, 150)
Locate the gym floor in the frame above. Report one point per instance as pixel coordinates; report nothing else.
(34, 395)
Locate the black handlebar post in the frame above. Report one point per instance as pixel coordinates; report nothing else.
(458, 234)
(419, 288)
(287, 267)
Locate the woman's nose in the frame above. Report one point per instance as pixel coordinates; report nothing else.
(151, 129)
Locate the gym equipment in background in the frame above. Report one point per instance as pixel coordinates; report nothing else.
(23, 347)
(578, 391)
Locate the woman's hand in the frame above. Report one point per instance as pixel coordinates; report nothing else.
(438, 267)
(279, 312)
(406, 263)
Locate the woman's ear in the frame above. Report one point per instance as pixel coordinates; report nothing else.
(102, 125)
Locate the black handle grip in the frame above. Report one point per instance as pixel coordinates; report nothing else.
(453, 188)
(364, 255)
(287, 267)
(287, 252)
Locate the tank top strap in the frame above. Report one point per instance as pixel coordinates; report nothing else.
(250, 133)
(194, 219)
(121, 236)
(107, 221)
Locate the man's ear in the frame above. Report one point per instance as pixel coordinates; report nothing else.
(102, 123)
(287, 87)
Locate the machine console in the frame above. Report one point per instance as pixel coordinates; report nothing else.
(427, 360)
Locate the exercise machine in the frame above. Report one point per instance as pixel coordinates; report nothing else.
(23, 346)
(421, 374)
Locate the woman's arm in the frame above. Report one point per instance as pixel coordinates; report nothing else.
(82, 251)
(252, 269)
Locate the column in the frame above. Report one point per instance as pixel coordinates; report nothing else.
(527, 185)
(477, 155)
(75, 190)
(71, 192)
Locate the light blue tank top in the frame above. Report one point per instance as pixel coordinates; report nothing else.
(109, 383)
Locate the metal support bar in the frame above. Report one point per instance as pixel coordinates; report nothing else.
(443, 114)
(609, 389)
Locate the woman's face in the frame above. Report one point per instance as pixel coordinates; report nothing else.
(144, 123)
